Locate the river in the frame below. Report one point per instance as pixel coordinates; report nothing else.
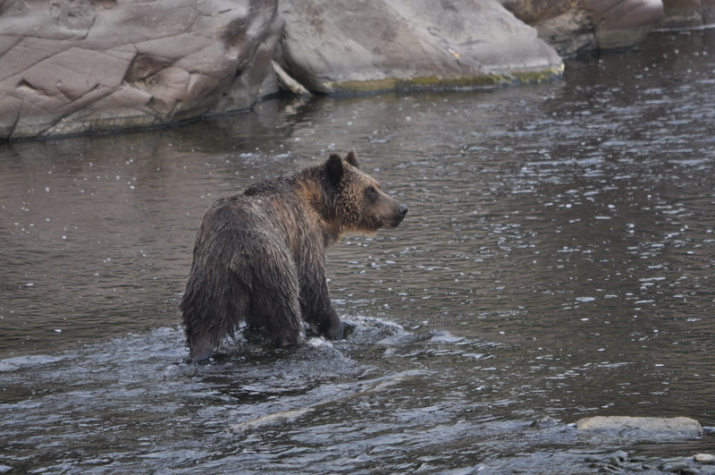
(557, 260)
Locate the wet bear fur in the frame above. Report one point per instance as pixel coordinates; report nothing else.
(259, 256)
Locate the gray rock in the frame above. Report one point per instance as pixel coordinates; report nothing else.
(74, 66)
(688, 13)
(589, 25)
(78, 66)
(705, 459)
(378, 45)
(676, 426)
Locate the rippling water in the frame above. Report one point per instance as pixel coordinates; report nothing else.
(557, 261)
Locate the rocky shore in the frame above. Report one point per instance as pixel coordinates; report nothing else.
(78, 66)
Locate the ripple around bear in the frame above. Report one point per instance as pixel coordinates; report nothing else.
(259, 256)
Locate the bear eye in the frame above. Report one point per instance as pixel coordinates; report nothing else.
(371, 193)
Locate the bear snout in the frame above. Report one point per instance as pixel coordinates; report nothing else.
(400, 214)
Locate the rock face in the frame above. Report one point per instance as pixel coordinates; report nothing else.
(72, 66)
(688, 13)
(576, 26)
(376, 45)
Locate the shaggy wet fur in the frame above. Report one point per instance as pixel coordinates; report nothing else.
(259, 256)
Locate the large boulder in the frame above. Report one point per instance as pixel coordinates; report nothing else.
(348, 46)
(574, 27)
(688, 13)
(72, 66)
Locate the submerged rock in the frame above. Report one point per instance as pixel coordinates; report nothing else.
(680, 426)
(544, 422)
(378, 45)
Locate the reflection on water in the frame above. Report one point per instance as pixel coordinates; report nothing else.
(557, 260)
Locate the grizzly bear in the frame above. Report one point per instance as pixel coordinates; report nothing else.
(259, 256)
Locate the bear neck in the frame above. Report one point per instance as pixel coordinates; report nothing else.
(320, 197)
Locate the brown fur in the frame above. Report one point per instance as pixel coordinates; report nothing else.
(259, 256)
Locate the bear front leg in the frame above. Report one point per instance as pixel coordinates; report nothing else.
(318, 311)
(335, 329)
(203, 326)
(202, 336)
(201, 349)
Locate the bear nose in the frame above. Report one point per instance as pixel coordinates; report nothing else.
(402, 210)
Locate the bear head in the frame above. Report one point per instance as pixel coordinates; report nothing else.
(360, 205)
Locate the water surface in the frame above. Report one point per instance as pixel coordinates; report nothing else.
(557, 261)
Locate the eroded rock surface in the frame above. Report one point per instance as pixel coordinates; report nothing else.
(688, 13)
(374, 45)
(72, 66)
(576, 26)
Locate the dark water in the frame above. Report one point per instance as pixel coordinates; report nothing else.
(557, 261)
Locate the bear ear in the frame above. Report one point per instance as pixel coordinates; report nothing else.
(352, 159)
(335, 168)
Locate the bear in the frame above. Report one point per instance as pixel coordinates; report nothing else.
(259, 256)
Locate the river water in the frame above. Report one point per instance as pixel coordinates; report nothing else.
(557, 261)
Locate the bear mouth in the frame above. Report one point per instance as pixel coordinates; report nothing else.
(396, 220)
(399, 215)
